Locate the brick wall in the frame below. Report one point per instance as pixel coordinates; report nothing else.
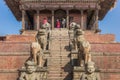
(16, 49)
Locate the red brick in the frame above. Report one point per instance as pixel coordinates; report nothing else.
(111, 47)
(107, 62)
(14, 46)
(12, 62)
(99, 38)
(20, 38)
(8, 76)
(110, 76)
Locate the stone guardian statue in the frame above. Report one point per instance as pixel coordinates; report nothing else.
(30, 73)
(90, 73)
(83, 46)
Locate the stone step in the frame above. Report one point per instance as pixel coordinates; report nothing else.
(60, 55)
(61, 69)
(55, 72)
(64, 68)
(60, 78)
(54, 78)
(61, 63)
(58, 75)
(64, 54)
(59, 60)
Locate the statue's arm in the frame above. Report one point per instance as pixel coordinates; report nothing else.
(83, 77)
(98, 76)
(22, 76)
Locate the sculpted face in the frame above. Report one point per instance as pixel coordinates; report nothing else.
(31, 69)
(90, 69)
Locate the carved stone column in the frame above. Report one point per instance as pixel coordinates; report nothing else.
(67, 19)
(81, 23)
(38, 20)
(53, 19)
(23, 19)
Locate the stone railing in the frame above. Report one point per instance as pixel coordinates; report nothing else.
(69, 1)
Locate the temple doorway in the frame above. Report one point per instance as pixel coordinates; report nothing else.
(60, 19)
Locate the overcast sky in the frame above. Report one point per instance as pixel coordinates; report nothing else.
(9, 25)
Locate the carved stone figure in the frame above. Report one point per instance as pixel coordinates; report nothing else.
(72, 34)
(83, 47)
(37, 54)
(90, 72)
(30, 73)
(72, 25)
(42, 38)
(47, 27)
(76, 27)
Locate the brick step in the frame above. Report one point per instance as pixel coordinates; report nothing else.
(60, 39)
(61, 69)
(60, 55)
(61, 78)
(56, 65)
(54, 68)
(54, 78)
(62, 66)
(55, 51)
(63, 53)
(60, 62)
(55, 72)
(58, 75)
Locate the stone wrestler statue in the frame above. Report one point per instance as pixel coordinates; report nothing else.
(30, 73)
(90, 72)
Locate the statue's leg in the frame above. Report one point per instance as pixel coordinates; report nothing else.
(44, 46)
(86, 58)
(40, 61)
(82, 60)
(75, 45)
(34, 52)
(89, 57)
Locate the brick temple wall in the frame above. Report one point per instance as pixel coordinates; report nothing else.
(16, 49)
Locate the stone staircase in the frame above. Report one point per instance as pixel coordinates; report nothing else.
(59, 63)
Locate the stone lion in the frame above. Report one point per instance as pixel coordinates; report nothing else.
(37, 54)
(83, 46)
(42, 38)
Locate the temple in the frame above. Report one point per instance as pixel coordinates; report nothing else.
(84, 12)
(75, 50)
